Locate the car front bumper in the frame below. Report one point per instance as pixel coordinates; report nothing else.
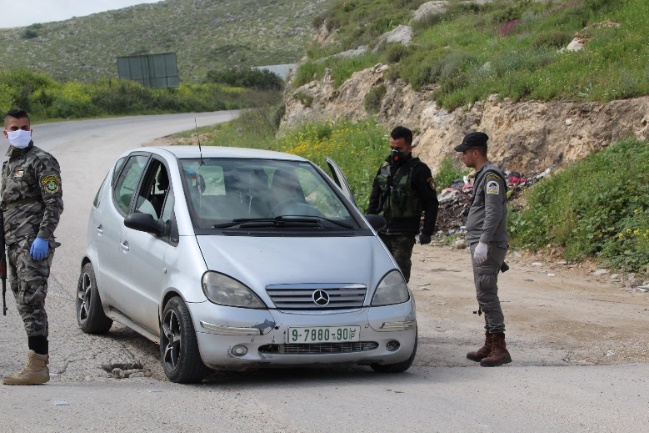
(237, 338)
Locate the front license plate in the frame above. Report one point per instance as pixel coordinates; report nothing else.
(324, 334)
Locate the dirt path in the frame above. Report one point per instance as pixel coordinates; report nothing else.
(555, 314)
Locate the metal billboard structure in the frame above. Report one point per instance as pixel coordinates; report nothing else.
(150, 70)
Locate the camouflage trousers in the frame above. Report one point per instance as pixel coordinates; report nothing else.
(28, 282)
(485, 277)
(400, 245)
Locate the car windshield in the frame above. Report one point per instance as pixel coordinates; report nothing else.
(251, 193)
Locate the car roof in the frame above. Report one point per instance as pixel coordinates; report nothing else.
(182, 152)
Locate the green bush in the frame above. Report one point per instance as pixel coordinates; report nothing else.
(373, 99)
(307, 72)
(552, 39)
(248, 78)
(393, 53)
(598, 206)
(448, 172)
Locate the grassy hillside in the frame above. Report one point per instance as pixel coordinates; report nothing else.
(205, 34)
(508, 47)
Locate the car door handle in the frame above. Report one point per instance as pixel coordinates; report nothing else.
(125, 246)
(100, 229)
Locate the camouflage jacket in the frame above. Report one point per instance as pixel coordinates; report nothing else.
(31, 193)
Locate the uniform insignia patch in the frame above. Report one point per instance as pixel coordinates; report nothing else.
(492, 187)
(431, 182)
(51, 184)
(19, 172)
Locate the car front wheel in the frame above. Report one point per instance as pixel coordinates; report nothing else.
(181, 359)
(90, 314)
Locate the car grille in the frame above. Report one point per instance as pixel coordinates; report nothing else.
(317, 296)
(301, 349)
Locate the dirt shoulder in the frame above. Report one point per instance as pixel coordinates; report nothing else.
(555, 313)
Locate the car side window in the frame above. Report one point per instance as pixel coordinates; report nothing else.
(153, 190)
(127, 182)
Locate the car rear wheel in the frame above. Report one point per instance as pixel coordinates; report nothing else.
(181, 359)
(399, 367)
(90, 314)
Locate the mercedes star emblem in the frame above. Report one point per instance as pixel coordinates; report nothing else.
(320, 297)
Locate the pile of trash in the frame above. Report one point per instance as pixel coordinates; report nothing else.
(455, 200)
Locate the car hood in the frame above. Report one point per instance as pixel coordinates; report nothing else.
(260, 261)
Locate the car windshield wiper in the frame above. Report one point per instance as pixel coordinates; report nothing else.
(281, 221)
(338, 223)
(278, 221)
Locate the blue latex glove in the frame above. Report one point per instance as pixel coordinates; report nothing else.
(39, 249)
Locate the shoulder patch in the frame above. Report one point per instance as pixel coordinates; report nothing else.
(431, 182)
(492, 176)
(51, 184)
(493, 187)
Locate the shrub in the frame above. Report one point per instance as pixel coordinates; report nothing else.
(552, 38)
(393, 53)
(249, 78)
(373, 99)
(448, 172)
(305, 98)
(307, 72)
(596, 207)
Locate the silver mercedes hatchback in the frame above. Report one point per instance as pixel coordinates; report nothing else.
(232, 258)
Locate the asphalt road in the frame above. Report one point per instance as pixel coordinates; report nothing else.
(115, 383)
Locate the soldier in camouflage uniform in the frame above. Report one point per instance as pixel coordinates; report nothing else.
(31, 204)
(402, 190)
(486, 227)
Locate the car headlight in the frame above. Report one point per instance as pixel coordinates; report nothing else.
(224, 290)
(391, 290)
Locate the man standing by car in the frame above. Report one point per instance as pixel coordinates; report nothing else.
(404, 188)
(31, 204)
(486, 227)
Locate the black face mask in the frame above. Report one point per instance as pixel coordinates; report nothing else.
(396, 156)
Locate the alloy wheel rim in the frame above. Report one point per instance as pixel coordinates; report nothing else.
(172, 340)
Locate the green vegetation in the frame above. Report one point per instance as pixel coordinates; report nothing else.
(506, 47)
(250, 78)
(372, 102)
(341, 68)
(596, 207)
(448, 172)
(45, 98)
(205, 35)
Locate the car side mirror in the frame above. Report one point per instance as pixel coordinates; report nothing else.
(377, 222)
(143, 222)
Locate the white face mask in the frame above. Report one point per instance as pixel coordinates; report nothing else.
(19, 139)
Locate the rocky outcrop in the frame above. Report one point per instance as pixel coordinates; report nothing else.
(527, 137)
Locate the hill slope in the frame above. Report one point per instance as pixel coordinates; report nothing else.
(205, 34)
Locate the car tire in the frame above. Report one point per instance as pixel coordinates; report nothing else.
(90, 314)
(181, 359)
(399, 367)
